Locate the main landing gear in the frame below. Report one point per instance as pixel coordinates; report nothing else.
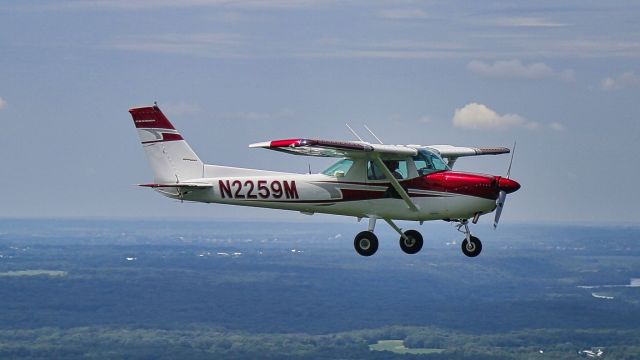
(366, 242)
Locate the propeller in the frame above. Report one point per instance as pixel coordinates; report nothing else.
(502, 196)
(506, 186)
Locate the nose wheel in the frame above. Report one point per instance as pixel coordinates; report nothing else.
(471, 245)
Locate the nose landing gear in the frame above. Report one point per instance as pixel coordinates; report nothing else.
(471, 245)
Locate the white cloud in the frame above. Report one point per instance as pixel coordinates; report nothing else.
(159, 4)
(526, 22)
(403, 14)
(516, 69)
(479, 116)
(387, 49)
(557, 126)
(490, 45)
(236, 45)
(3, 103)
(216, 45)
(625, 80)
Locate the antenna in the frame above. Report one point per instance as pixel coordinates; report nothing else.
(309, 164)
(374, 135)
(511, 161)
(354, 133)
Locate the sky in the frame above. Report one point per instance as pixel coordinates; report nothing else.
(562, 78)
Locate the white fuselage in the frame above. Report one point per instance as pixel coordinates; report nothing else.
(319, 193)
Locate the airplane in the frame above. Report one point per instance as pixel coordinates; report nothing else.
(372, 181)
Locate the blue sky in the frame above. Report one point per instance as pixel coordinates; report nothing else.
(561, 78)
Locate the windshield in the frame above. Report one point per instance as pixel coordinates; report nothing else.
(427, 162)
(339, 169)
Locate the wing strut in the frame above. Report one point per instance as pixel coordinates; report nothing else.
(394, 182)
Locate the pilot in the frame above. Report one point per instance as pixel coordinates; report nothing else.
(393, 167)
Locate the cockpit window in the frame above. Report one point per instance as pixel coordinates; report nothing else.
(398, 169)
(339, 169)
(427, 162)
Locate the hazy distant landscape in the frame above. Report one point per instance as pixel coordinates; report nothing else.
(227, 290)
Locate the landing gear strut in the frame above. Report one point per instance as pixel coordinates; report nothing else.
(471, 245)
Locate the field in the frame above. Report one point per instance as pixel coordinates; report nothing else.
(397, 346)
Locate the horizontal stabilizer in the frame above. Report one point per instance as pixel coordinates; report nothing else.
(178, 185)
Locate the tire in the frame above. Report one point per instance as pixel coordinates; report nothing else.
(366, 243)
(473, 248)
(415, 242)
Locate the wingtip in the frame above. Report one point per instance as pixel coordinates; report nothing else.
(264, 144)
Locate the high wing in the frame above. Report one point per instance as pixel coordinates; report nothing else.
(348, 149)
(332, 148)
(452, 153)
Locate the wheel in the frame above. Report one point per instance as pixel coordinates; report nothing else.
(413, 244)
(472, 248)
(366, 243)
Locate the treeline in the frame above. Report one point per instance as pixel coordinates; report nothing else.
(208, 343)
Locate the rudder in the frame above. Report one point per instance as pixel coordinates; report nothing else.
(171, 158)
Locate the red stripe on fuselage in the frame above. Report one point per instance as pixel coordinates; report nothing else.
(453, 182)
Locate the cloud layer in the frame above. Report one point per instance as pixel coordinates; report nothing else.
(403, 14)
(527, 21)
(516, 69)
(218, 45)
(3, 103)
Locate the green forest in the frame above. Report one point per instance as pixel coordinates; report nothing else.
(155, 290)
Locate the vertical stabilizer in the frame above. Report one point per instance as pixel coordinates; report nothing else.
(171, 158)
